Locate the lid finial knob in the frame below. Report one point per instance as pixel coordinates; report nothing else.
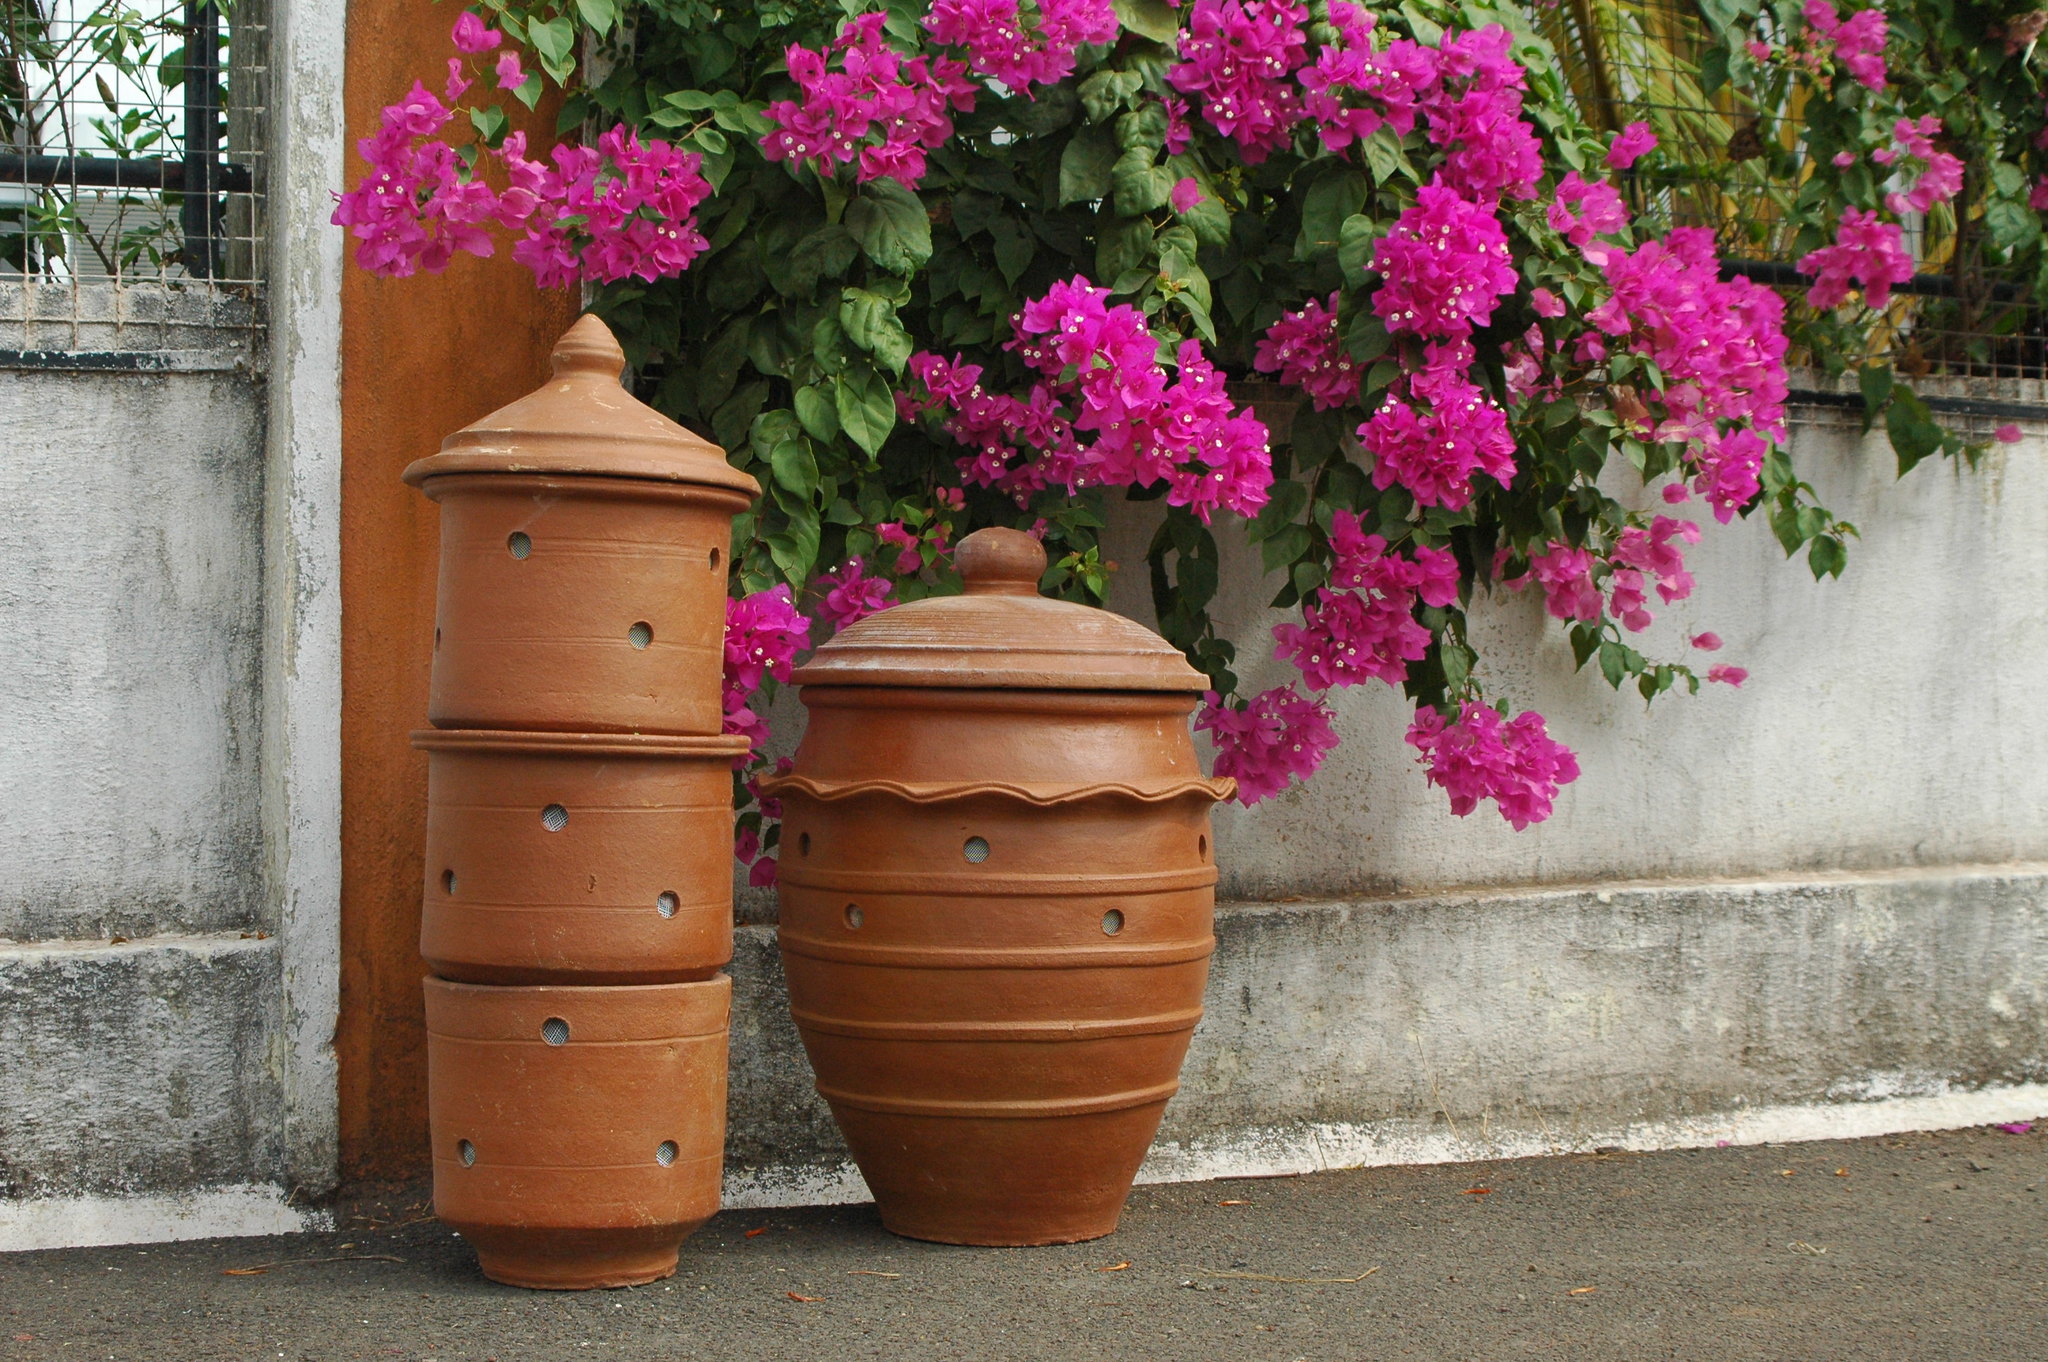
(1000, 562)
(588, 347)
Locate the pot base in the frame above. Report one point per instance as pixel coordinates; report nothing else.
(575, 1260)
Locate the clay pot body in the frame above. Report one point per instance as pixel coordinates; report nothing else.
(996, 911)
(583, 559)
(577, 858)
(591, 604)
(578, 1133)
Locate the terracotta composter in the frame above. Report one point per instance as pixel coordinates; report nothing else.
(579, 1133)
(583, 559)
(577, 858)
(997, 891)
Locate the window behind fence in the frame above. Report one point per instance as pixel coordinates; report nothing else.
(131, 172)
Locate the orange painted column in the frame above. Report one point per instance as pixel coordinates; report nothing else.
(421, 357)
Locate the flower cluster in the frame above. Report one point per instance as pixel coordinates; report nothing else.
(1238, 58)
(763, 634)
(1445, 265)
(1435, 448)
(1866, 252)
(1348, 636)
(1352, 89)
(1100, 375)
(1941, 174)
(1004, 47)
(1480, 755)
(848, 593)
(1277, 736)
(1858, 41)
(625, 208)
(1305, 349)
(865, 104)
(1585, 209)
(1630, 145)
(1646, 557)
(1566, 576)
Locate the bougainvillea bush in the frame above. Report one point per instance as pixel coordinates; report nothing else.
(950, 263)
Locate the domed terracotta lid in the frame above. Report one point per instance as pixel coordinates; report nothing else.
(583, 421)
(999, 632)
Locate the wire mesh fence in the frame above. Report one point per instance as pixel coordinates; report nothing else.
(1733, 161)
(131, 167)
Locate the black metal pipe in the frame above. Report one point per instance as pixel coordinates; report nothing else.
(105, 172)
(201, 185)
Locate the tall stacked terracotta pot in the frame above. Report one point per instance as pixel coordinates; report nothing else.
(997, 889)
(578, 902)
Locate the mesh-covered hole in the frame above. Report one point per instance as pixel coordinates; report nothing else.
(448, 883)
(667, 904)
(665, 1153)
(803, 844)
(854, 917)
(520, 543)
(554, 818)
(1202, 846)
(437, 637)
(1112, 922)
(976, 849)
(714, 560)
(466, 1151)
(555, 1031)
(641, 634)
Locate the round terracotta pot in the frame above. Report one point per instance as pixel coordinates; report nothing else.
(584, 544)
(578, 1133)
(572, 858)
(997, 901)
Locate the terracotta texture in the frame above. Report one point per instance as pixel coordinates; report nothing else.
(583, 559)
(420, 357)
(577, 858)
(997, 889)
(578, 1133)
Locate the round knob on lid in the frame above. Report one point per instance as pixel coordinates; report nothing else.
(589, 348)
(1000, 562)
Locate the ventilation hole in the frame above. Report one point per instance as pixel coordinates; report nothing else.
(555, 1031)
(665, 1153)
(554, 818)
(976, 849)
(520, 544)
(448, 883)
(466, 1151)
(714, 560)
(437, 638)
(641, 634)
(803, 844)
(1202, 847)
(667, 904)
(1112, 922)
(853, 916)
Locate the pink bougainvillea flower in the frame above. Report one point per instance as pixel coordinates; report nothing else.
(1727, 675)
(1866, 252)
(1305, 349)
(847, 594)
(1019, 53)
(1480, 755)
(1546, 303)
(511, 75)
(1858, 42)
(1277, 736)
(1186, 194)
(858, 88)
(1238, 59)
(2017, 1127)
(1566, 576)
(1630, 145)
(1706, 643)
(2008, 434)
(1444, 265)
(471, 35)
(762, 875)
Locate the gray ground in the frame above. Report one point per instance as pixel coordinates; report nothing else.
(1910, 1247)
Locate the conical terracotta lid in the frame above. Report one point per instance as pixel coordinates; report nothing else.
(583, 421)
(999, 632)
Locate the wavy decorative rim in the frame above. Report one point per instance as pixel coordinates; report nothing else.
(1044, 796)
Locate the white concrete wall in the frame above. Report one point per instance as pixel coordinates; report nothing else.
(1892, 717)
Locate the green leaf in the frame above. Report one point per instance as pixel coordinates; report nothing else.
(598, 15)
(1827, 556)
(1085, 166)
(796, 468)
(1283, 548)
(890, 223)
(1367, 338)
(867, 408)
(870, 322)
(795, 548)
(1338, 195)
(1153, 19)
(815, 409)
(1911, 425)
(1876, 382)
(1105, 92)
(489, 122)
(1383, 154)
(1015, 246)
(1355, 241)
(1285, 501)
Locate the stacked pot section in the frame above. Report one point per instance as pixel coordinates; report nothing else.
(997, 891)
(578, 898)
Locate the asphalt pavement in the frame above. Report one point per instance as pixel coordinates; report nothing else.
(1919, 1247)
